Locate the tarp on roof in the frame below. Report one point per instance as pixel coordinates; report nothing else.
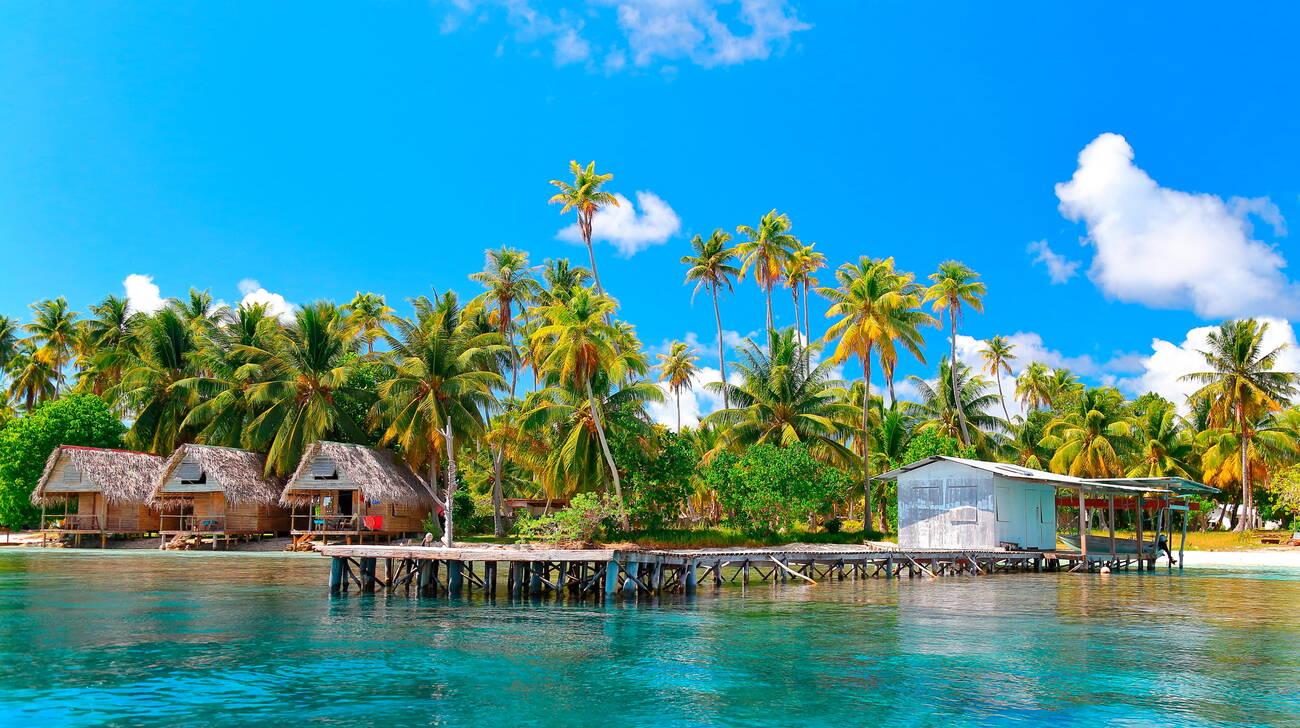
(1130, 486)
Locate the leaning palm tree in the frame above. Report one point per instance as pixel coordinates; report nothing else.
(952, 287)
(876, 308)
(226, 369)
(509, 281)
(997, 357)
(804, 261)
(54, 329)
(765, 251)
(1241, 384)
(1091, 439)
(678, 369)
(712, 267)
(584, 196)
(307, 399)
(365, 318)
(578, 346)
(1033, 386)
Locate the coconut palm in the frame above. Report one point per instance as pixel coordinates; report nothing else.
(366, 318)
(8, 343)
(106, 342)
(678, 369)
(713, 267)
(876, 308)
(509, 281)
(782, 399)
(561, 278)
(765, 251)
(54, 329)
(1062, 388)
(32, 377)
(997, 355)
(1242, 383)
(1034, 386)
(952, 287)
(584, 196)
(578, 345)
(227, 368)
(804, 261)
(1091, 438)
(1166, 446)
(200, 311)
(148, 392)
(936, 408)
(307, 398)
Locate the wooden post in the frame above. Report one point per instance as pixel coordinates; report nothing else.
(690, 581)
(629, 586)
(1141, 545)
(455, 578)
(367, 575)
(425, 583)
(611, 577)
(889, 567)
(1187, 511)
(535, 578)
(336, 576)
(1110, 521)
(1083, 528)
(490, 579)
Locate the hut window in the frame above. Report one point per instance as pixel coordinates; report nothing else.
(191, 474)
(71, 476)
(963, 502)
(324, 470)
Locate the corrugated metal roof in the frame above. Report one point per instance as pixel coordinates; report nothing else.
(1179, 486)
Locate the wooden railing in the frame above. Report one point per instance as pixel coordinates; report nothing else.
(307, 523)
(72, 522)
(192, 523)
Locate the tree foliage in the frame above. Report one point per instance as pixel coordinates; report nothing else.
(771, 488)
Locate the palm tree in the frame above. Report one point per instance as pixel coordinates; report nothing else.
(997, 355)
(365, 318)
(712, 267)
(1166, 445)
(228, 367)
(765, 252)
(1062, 387)
(562, 278)
(149, 392)
(677, 367)
(306, 399)
(107, 340)
(200, 311)
(32, 375)
(1274, 440)
(584, 196)
(782, 399)
(578, 346)
(954, 286)
(1090, 439)
(509, 281)
(8, 343)
(54, 329)
(1242, 384)
(938, 409)
(1033, 386)
(876, 307)
(803, 262)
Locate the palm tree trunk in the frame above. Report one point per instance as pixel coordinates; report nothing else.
(679, 411)
(952, 364)
(807, 325)
(768, 288)
(1247, 521)
(722, 357)
(866, 439)
(433, 489)
(451, 489)
(609, 457)
(794, 296)
(998, 374)
(498, 524)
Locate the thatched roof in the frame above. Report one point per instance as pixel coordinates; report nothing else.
(122, 475)
(380, 475)
(236, 473)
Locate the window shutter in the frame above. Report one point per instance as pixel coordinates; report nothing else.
(189, 472)
(71, 476)
(323, 469)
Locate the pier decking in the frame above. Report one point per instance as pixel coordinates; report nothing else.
(602, 573)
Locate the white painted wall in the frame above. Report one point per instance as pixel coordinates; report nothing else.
(948, 505)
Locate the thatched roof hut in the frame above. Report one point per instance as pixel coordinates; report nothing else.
(121, 476)
(379, 475)
(238, 474)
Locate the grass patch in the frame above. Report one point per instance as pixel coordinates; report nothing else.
(1213, 540)
(682, 538)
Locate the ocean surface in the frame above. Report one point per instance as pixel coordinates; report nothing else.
(141, 638)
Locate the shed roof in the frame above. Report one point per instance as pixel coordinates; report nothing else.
(1133, 486)
(122, 475)
(379, 474)
(239, 474)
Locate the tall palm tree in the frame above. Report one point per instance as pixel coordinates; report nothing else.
(1091, 439)
(1033, 386)
(782, 399)
(148, 392)
(1166, 445)
(366, 317)
(200, 311)
(677, 367)
(54, 329)
(765, 251)
(584, 196)
(997, 354)
(1241, 384)
(712, 267)
(226, 367)
(32, 377)
(108, 337)
(579, 346)
(1062, 387)
(804, 261)
(938, 409)
(561, 278)
(509, 281)
(954, 286)
(876, 308)
(1274, 440)
(306, 400)
(8, 342)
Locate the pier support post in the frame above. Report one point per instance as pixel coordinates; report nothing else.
(889, 567)
(611, 577)
(690, 581)
(629, 585)
(336, 576)
(426, 587)
(455, 578)
(367, 575)
(535, 579)
(490, 579)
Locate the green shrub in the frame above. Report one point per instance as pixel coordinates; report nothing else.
(587, 516)
(770, 488)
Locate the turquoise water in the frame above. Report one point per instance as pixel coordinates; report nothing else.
(235, 639)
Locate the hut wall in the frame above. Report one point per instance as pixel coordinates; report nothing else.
(175, 484)
(308, 482)
(946, 505)
(65, 478)
(398, 518)
(252, 517)
(1026, 513)
(128, 517)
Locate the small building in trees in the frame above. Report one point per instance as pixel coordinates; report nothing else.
(218, 492)
(92, 491)
(344, 492)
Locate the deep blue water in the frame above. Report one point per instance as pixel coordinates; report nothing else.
(89, 638)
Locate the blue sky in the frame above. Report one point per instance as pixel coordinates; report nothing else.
(323, 149)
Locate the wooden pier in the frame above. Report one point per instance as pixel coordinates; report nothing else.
(602, 573)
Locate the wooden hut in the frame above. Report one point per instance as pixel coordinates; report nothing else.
(221, 492)
(347, 492)
(101, 492)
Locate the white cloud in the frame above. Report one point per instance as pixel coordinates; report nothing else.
(253, 292)
(707, 33)
(142, 294)
(1172, 249)
(1162, 370)
(1059, 268)
(626, 229)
